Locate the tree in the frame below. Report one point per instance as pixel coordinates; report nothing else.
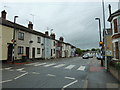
(93, 49)
(78, 51)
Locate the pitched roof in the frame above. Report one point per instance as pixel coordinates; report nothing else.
(23, 28)
(117, 13)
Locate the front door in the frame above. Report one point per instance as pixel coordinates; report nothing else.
(33, 52)
(10, 47)
(27, 52)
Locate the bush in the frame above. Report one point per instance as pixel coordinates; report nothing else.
(115, 64)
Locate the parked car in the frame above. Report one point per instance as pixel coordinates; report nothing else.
(85, 56)
(99, 57)
(90, 56)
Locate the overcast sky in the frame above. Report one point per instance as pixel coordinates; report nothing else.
(75, 21)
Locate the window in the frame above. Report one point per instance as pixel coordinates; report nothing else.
(117, 50)
(54, 43)
(115, 26)
(118, 24)
(38, 39)
(38, 50)
(21, 36)
(54, 51)
(51, 52)
(20, 49)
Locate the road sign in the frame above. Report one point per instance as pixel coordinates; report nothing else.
(108, 53)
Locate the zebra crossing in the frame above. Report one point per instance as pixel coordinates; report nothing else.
(52, 65)
(55, 65)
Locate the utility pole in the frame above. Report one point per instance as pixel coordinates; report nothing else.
(104, 41)
(13, 40)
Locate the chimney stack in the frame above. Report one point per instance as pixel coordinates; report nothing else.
(30, 25)
(61, 39)
(46, 33)
(52, 35)
(3, 14)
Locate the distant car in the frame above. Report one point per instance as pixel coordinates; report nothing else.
(90, 56)
(85, 56)
(99, 57)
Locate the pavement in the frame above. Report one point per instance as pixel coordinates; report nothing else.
(63, 74)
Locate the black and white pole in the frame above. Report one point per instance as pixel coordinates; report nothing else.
(13, 49)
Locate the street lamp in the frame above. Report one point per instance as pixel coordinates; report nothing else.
(13, 55)
(99, 27)
(100, 43)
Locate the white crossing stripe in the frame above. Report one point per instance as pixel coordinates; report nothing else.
(60, 65)
(20, 69)
(7, 68)
(49, 64)
(40, 64)
(82, 68)
(51, 75)
(35, 73)
(32, 63)
(70, 78)
(70, 67)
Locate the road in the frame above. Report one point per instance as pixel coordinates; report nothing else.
(59, 73)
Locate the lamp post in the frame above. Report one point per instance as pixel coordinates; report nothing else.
(100, 43)
(13, 40)
(99, 27)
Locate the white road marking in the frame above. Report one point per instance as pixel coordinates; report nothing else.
(82, 68)
(60, 65)
(51, 75)
(70, 78)
(20, 69)
(31, 63)
(1, 69)
(11, 70)
(6, 81)
(70, 67)
(35, 73)
(21, 75)
(7, 68)
(70, 84)
(40, 64)
(49, 65)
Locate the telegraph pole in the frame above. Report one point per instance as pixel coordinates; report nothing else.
(104, 42)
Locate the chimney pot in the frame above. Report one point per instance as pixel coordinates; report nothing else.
(52, 36)
(30, 25)
(3, 14)
(61, 39)
(46, 33)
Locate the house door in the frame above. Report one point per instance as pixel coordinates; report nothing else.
(42, 53)
(33, 52)
(10, 46)
(27, 52)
